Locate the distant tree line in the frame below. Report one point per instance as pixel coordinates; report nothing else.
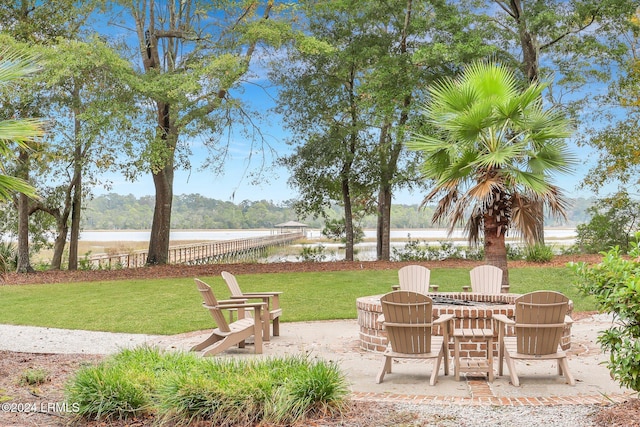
(194, 211)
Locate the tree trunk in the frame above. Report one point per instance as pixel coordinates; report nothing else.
(76, 199)
(161, 226)
(389, 155)
(348, 220)
(384, 223)
(531, 65)
(23, 262)
(62, 228)
(495, 249)
(76, 210)
(59, 244)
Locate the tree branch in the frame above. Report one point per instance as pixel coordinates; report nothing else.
(577, 30)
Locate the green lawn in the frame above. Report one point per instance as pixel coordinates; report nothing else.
(171, 306)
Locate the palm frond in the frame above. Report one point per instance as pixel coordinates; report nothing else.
(473, 227)
(9, 185)
(15, 64)
(524, 220)
(20, 131)
(553, 156)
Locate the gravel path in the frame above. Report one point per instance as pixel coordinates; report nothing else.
(529, 416)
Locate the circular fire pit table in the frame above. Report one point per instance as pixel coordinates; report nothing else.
(472, 311)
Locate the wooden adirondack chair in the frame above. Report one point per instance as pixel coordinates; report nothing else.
(485, 279)
(540, 318)
(414, 278)
(408, 321)
(227, 334)
(271, 299)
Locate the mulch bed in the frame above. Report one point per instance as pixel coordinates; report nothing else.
(169, 271)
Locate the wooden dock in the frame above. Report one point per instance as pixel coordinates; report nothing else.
(196, 253)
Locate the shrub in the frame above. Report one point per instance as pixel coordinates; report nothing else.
(538, 253)
(514, 252)
(615, 285)
(414, 250)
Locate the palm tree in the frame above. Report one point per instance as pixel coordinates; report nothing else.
(14, 65)
(490, 151)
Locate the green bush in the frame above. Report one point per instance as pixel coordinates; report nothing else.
(615, 285)
(182, 387)
(414, 250)
(538, 253)
(514, 252)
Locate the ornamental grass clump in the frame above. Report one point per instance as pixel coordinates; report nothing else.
(312, 389)
(221, 391)
(108, 391)
(180, 388)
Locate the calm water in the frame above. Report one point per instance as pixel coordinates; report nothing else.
(366, 251)
(552, 234)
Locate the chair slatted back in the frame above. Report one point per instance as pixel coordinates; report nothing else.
(486, 279)
(540, 322)
(232, 284)
(408, 321)
(234, 288)
(211, 303)
(414, 278)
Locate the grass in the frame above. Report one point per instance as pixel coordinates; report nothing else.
(181, 387)
(172, 306)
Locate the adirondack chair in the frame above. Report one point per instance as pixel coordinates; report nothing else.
(540, 318)
(272, 311)
(413, 278)
(408, 321)
(485, 279)
(227, 334)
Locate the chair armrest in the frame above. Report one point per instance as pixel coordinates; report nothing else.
(466, 288)
(568, 320)
(237, 306)
(259, 294)
(395, 287)
(232, 301)
(272, 299)
(444, 318)
(503, 319)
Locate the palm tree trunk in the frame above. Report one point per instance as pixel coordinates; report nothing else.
(495, 248)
